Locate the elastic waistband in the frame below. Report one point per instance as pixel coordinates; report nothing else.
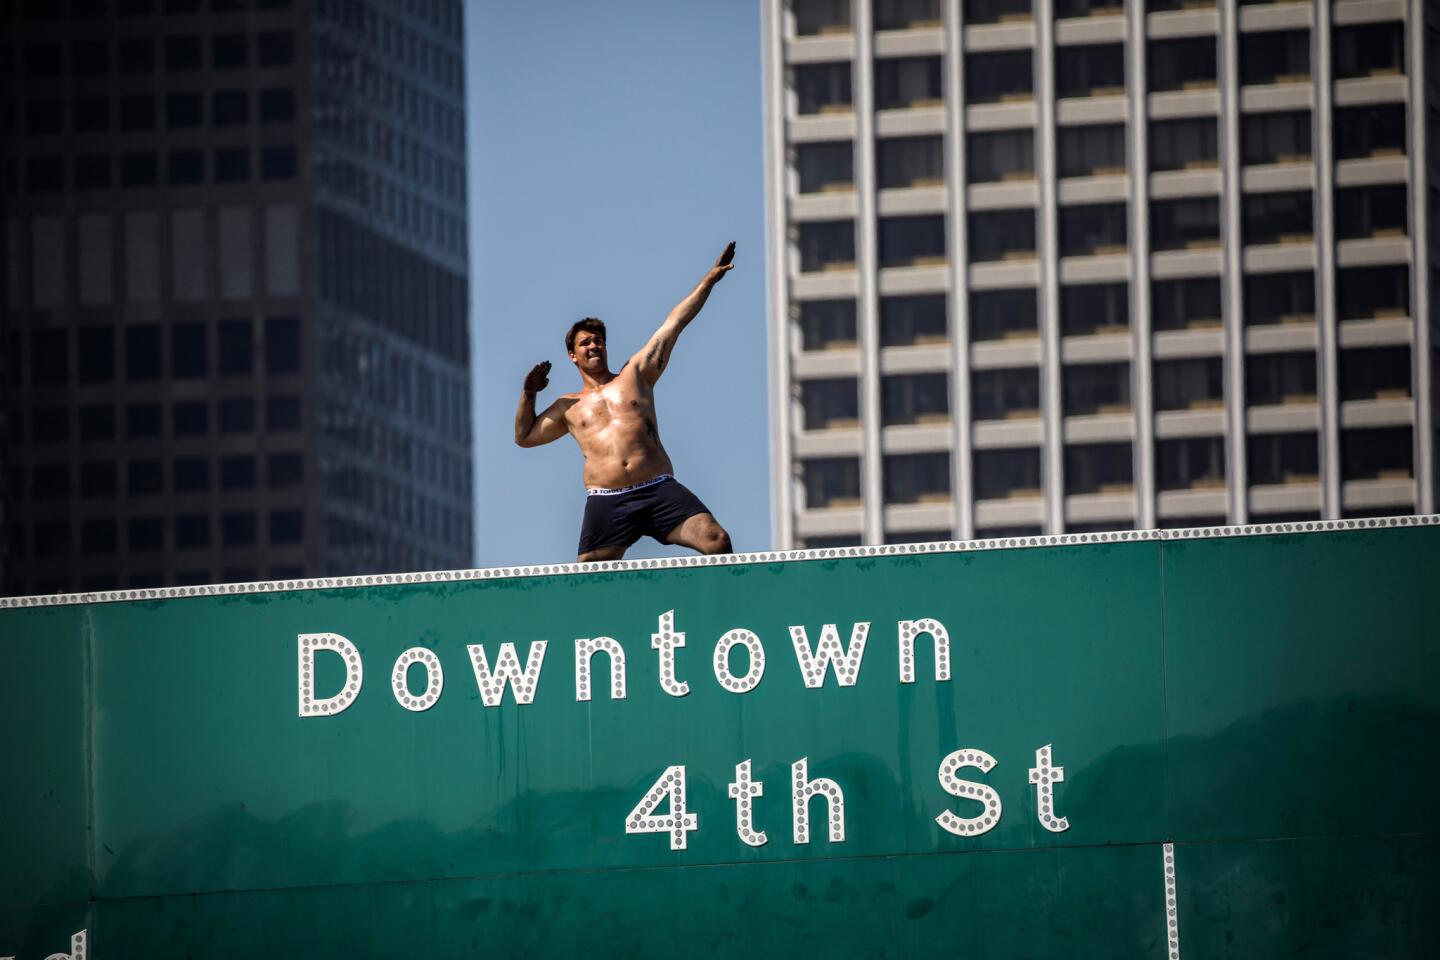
(611, 491)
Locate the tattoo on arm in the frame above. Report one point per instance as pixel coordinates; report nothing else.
(656, 356)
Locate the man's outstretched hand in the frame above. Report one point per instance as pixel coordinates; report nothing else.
(538, 378)
(724, 265)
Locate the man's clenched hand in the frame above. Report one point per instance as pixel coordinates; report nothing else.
(538, 378)
(723, 264)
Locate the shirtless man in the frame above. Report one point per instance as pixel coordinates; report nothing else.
(628, 476)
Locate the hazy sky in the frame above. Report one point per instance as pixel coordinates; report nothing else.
(614, 149)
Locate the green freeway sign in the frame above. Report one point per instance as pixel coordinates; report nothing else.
(1116, 745)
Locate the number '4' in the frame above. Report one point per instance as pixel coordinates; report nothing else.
(647, 818)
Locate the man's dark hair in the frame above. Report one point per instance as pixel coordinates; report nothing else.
(593, 324)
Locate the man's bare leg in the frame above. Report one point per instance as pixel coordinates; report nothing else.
(701, 533)
(603, 553)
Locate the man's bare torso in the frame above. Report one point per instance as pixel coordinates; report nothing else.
(616, 428)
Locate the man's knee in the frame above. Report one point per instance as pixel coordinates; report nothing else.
(714, 539)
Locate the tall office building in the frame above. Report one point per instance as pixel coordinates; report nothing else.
(1072, 265)
(235, 309)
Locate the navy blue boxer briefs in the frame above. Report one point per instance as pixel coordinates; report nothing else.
(651, 508)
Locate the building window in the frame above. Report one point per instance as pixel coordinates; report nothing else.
(1280, 458)
(1275, 138)
(182, 53)
(49, 357)
(286, 526)
(237, 473)
(137, 112)
(277, 162)
(828, 324)
(232, 165)
(186, 167)
(142, 420)
(275, 48)
(91, 114)
(1184, 144)
(1092, 230)
(228, 51)
(183, 110)
(144, 477)
(1001, 155)
(192, 474)
(913, 320)
(1374, 130)
(1196, 384)
(44, 117)
(1092, 151)
(284, 470)
(1383, 454)
(823, 88)
(45, 174)
(825, 167)
(1012, 394)
(187, 349)
(97, 537)
(191, 418)
(237, 415)
(142, 352)
(1007, 474)
(1185, 64)
(192, 531)
(1094, 308)
(1279, 378)
(1002, 235)
(229, 108)
(138, 169)
(1375, 373)
(135, 55)
(52, 538)
(237, 529)
(999, 77)
(50, 481)
(49, 425)
(822, 17)
(1275, 56)
(1277, 218)
(906, 14)
(1090, 71)
(1189, 304)
(236, 348)
(908, 82)
(96, 354)
(917, 478)
(92, 171)
(1368, 212)
(1188, 224)
(146, 534)
(1099, 468)
(97, 422)
(997, 11)
(1190, 463)
(831, 482)
(277, 105)
(910, 162)
(1098, 388)
(1369, 50)
(827, 245)
(915, 398)
(282, 345)
(1279, 298)
(97, 479)
(1003, 314)
(1373, 293)
(912, 241)
(282, 413)
(90, 58)
(830, 404)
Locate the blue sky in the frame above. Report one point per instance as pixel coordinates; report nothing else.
(614, 149)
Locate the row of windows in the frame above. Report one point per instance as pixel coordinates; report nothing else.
(141, 112)
(1365, 50)
(1368, 373)
(1099, 229)
(100, 537)
(396, 202)
(374, 86)
(393, 39)
(142, 54)
(96, 171)
(190, 355)
(1103, 149)
(379, 140)
(1364, 293)
(369, 369)
(1180, 464)
(101, 479)
(96, 423)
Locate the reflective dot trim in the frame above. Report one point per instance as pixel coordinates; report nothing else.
(990, 807)
(813, 666)
(585, 650)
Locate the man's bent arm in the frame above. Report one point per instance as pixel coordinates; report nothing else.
(530, 430)
(655, 356)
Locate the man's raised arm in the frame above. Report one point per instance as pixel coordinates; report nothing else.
(654, 357)
(530, 430)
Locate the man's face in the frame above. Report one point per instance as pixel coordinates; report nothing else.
(589, 351)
